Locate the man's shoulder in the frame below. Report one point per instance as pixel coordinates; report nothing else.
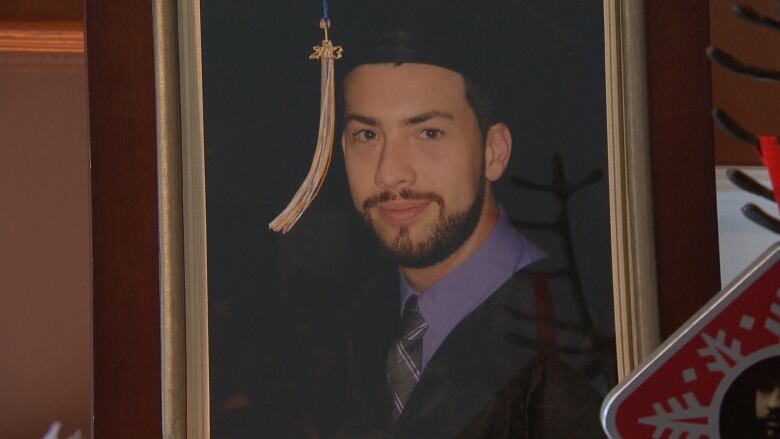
(512, 305)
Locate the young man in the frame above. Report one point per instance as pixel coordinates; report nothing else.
(768, 404)
(422, 147)
(751, 406)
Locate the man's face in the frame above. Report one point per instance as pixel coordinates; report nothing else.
(768, 409)
(414, 158)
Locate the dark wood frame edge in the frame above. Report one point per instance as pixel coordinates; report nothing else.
(682, 158)
(125, 237)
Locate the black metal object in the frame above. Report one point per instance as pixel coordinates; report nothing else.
(734, 129)
(754, 17)
(737, 66)
(763, 219)
(746, 183)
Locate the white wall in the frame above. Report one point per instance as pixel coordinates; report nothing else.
(741, 240)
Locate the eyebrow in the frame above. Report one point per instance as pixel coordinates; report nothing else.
(370, 121)
(413, 120)
(420, 118)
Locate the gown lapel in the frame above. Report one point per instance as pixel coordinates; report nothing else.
(471, 367)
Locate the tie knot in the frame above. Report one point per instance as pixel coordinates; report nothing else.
(411, 305)
(412, 323)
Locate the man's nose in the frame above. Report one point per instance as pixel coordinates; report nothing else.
(774, 399)
(395, 169)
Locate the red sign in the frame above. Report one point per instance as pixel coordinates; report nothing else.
(686, 388)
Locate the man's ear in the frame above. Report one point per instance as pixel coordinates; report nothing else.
(498, 149)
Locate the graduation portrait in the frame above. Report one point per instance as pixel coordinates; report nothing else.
(408, 225)
(751, 404)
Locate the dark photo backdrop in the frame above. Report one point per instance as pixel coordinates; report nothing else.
(279, 303)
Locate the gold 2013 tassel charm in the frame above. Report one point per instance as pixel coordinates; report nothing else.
(326, 53)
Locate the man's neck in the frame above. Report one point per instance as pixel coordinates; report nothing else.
(420, 279)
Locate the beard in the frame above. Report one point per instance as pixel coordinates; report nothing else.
(449, 232)
(771, 431)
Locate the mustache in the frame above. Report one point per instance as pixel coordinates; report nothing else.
(403, 194)
(773, 415)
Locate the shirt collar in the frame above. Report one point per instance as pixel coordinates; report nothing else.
(449, 300)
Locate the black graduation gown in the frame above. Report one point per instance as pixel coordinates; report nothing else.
(482, 382)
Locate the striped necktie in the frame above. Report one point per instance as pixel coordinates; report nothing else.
(404, 358)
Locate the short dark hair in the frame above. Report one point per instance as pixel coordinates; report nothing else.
(482, 104)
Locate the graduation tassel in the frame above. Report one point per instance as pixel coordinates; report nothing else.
(327, 53)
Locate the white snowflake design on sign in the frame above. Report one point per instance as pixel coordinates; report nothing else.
(678, 391)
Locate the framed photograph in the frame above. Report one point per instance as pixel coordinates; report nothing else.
(259, 327)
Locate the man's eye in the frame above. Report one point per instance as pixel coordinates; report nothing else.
(431, 133)
(364, 135)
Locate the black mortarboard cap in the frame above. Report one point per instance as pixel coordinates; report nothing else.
(458, 35)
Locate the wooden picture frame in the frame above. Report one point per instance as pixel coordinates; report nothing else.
(164, 43)
(630, 194)
(633, 246)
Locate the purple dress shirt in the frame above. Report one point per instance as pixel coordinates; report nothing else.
(452, 298)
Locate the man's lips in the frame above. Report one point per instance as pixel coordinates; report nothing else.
(401, 213)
